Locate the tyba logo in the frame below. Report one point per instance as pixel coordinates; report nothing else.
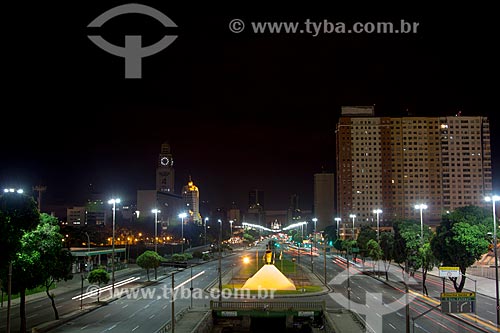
(133, 52)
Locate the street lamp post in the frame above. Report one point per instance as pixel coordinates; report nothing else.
(156, 211)
(313, 243)
(494, 199)
(231, 227)
(182, 216)
(113, 202)
(338, 219)
(378, 212)
(421, 207)
(220, 258)
(9, 278)
(206, 219)
(353, 217)
(88, 254)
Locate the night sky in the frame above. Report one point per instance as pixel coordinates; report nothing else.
(241, 111)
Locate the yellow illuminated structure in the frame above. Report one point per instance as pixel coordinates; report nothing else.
(269, 277)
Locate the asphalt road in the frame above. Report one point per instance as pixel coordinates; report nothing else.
(386, 303)
(149, 308)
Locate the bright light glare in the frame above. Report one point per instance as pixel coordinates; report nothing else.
(421, 206)
(114, 201)
(493, 198)
(182, 215)
(377, 211)
(246, 260)
(155, 211)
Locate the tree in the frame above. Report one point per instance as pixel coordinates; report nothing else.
(99, 276)
(374, 251)
(55, 261)
(428, 263)
(407, 241)
(459, 244)
(149, 260)
(387, 247)
(249, 238)
(365, 235)
(18, 214)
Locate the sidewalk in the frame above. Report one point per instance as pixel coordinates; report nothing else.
(71, 285)
(484, 285)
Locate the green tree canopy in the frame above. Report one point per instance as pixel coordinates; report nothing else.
(459, 243)
(18, 214)
(365, 235)
(149, 260)
(387, 247)
(98, 276)
(55, 261)
(407, 241)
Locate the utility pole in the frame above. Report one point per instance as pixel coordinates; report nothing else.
(40, 189)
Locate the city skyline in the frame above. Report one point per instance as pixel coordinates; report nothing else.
(241, 111)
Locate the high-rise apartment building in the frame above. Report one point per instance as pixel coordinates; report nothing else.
(324, 199)
(394, 163)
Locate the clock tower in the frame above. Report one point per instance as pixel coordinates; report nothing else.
(165, 170)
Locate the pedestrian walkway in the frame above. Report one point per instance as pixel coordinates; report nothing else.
(481, 285)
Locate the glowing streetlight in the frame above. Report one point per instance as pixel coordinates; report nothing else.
(314, 220)
(113, 202)
(206, 219)
(378, 212)
(338, 219)
(246, 260)
(9, 279)
(231, 226)
(156, 211)
(182, 216)
(421, 207)
(353, 217)
(494, 199)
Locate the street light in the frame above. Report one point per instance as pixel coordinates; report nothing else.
(378, 212)
(182, 216)
(352, 216)
(313, 243)
(220, 258)
(338, 219)
(9, 279)
(206, 219)
(156, 211)
(231, 226)
(494, 199)
(113, 202)
(422, 207)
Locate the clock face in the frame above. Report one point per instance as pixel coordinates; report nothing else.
(164, 161)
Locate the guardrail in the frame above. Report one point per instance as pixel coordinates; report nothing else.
(269, 306)
(167, 327)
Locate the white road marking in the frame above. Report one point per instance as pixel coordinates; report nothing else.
(147, 306)
(164, 307)
(106, 316)
(123, 307)
(151, 317)
(378, 314)
(392, 326)
(109, 329)
(135, 328)
(38, 306)
(84, 327)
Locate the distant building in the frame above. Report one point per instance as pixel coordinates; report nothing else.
(394, 163)
(165, 175)
(255, 213)
(234, 214)
(76, 216)
(191, 196)
(96, 212)
(324, 200)
(169, 204)
(294, 212)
